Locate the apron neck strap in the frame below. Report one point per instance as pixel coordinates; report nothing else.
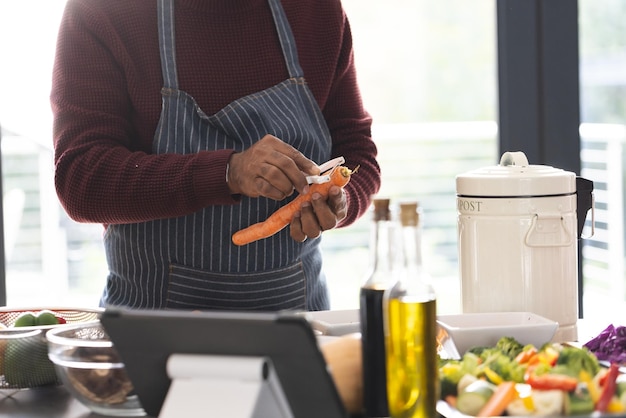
(287, 41)
(167, 42)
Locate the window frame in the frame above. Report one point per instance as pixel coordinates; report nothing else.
(539, 87)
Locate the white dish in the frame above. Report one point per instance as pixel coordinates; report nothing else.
(469, 330)
(335, 322)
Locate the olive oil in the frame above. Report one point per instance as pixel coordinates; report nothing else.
(410, 321)
(412, 384)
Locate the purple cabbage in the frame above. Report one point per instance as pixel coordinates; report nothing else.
(609, 345)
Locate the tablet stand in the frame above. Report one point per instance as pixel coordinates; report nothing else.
(223, 386)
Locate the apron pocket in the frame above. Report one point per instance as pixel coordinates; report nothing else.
(271, 290)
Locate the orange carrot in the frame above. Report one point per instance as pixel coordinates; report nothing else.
(496, 405)
(340, 176)
(451, 400)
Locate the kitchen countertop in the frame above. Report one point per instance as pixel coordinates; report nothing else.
(45, 402)
(56, 402)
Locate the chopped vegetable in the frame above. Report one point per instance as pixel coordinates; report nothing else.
(591, 386)
(615, 406)
(553, 380)
(497, 403)
(527, 355)
(465, 381)
(548, 403)
(452, 371)
(608, 389)
(524, 391)
(578, 359)
(493, 377)
(520, 407)
(579, 401)
(609, 345)
(474, 397)
(549, 381)
(508, 346)
(451, 400)
(547, 356)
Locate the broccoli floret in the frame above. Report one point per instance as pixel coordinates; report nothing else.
(577, 359)
(507, 368)
(502, 365)
(478, 350)
(509, 346)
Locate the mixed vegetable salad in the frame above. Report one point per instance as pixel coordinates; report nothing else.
(516, 380)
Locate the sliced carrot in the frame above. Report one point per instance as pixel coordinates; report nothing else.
(497, 403)
(552, 381)
(526, 355)
(340, 176)
(451, 400)
(608, 390)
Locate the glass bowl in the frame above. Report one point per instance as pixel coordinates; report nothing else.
(92, 371)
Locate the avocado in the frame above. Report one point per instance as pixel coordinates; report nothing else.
(25, 319)
(46, 318)
(26, 362)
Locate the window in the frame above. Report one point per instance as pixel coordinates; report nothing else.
(603, 133)
(49, 259)
(428, 75)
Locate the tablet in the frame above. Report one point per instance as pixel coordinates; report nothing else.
(145, 340)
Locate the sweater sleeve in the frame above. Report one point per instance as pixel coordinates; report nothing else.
(102, 172)
(106, 103)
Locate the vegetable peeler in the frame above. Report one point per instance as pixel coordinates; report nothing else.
(325, 169)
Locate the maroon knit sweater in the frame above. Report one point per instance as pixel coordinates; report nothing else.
(106, 100)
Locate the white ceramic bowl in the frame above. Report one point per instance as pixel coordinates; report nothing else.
(334, 322)
(464, 331)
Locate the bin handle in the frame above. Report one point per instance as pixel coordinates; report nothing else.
(517, 158)
(570, 236)
(593, 218)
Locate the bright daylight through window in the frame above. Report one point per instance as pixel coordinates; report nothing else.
(428, 77)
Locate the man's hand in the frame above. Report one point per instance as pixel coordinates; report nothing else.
(270, 168)
(320, 215)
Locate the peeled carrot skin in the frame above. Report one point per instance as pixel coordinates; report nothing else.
(340, 176)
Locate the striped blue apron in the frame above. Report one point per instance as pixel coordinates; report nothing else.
(190, 262)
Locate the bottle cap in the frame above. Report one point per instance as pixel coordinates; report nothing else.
(408, 214)
(381, 210)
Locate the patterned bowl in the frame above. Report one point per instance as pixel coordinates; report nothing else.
(24, 361)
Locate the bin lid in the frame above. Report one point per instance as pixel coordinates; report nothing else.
(515, 177)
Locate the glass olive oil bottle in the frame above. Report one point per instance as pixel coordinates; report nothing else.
(411, 330)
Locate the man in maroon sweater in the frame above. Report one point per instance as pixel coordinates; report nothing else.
(179, 122)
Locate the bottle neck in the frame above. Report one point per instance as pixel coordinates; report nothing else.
(384, 251)
(412, 247)
(413, 282)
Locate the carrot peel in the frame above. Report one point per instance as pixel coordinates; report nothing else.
(339, 176)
